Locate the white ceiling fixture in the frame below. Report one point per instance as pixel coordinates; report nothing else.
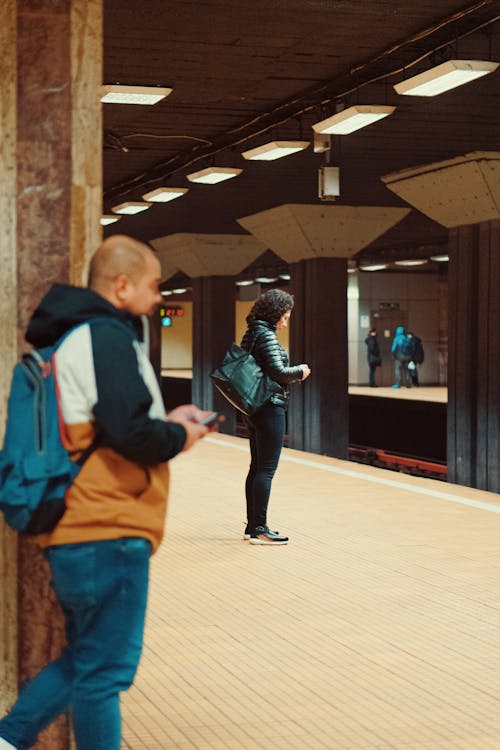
(352, 118)
(440, 258)
(266, 279)
(165, 194)
(180, 290)
(415, 262)
(275, 150)
(166, 293)
(118, 94)
(446, 76)
(213, 175)
(131, 207)
(244, 282)
(108, 219)
(374, 267)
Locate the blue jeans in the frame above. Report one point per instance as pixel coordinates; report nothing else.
(266, 430)
(402, 372)
(102, 588)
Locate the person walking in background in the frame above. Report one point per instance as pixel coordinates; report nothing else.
(266, 428)
(401, 352)
(417, 357)
(373, 354)
(115, 509)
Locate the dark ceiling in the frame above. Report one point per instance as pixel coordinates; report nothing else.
(245, 72)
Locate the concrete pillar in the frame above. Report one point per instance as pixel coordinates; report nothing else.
(50, 203)
(474, 356)
(318, 417)
(213, 332)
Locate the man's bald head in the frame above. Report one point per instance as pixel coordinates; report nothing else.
(117, 255)
(126, 272)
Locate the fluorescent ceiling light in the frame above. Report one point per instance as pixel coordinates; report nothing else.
(266, 279)
(179, 291)
(353, 118)
(275, 150)
(133, 94)
(375, 267)
(440, 258)
(131, 207)
(165, 194)
(416, 262)
(285, 276)
(444, 77)
(166, 293)
(213, 175)
(244, 282)
(108, 219)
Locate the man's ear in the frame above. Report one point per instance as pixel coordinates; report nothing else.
(121, 287)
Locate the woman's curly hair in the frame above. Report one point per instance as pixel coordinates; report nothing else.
(270, 306)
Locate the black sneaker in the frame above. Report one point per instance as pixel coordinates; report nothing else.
(248, 532)
(262, 535)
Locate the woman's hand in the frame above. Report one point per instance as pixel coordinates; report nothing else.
(306, 371)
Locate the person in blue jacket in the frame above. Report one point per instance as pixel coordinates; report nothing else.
(402, 352)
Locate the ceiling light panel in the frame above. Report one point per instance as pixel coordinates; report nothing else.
(374, 267)
(133, 94)
(108, 219)
(444, 77)
(353, 118)
(275, 150)
(131, 207)
(165, 194)
(213, 175)
(416, 262)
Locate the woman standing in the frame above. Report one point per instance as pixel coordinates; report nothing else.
(266, 428)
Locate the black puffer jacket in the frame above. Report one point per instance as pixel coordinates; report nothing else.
(271, 356)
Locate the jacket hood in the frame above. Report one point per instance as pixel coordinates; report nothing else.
(64, 307)
(400, 330)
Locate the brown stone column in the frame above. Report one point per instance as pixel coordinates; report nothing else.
(318, 416)
(50, 207)
(213, 332)
(474, 356)
(8, 335)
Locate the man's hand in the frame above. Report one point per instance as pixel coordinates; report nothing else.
(190, 416)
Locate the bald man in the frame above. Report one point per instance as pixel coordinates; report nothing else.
(115, 510)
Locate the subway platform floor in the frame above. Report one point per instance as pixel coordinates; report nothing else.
(422, 393)
(376, 628)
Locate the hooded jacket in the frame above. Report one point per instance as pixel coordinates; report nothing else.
(107, 388)
(401, 346)
(261, 340)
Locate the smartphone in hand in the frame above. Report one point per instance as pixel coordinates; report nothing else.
(213, 417)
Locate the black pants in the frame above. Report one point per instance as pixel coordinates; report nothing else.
(372, 374)
(266, 431)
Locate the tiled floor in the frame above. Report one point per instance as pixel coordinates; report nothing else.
(376, 628)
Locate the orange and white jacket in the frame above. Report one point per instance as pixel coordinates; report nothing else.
(107, 388)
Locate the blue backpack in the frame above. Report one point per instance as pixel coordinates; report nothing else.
(405, 346)
(35, 467)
